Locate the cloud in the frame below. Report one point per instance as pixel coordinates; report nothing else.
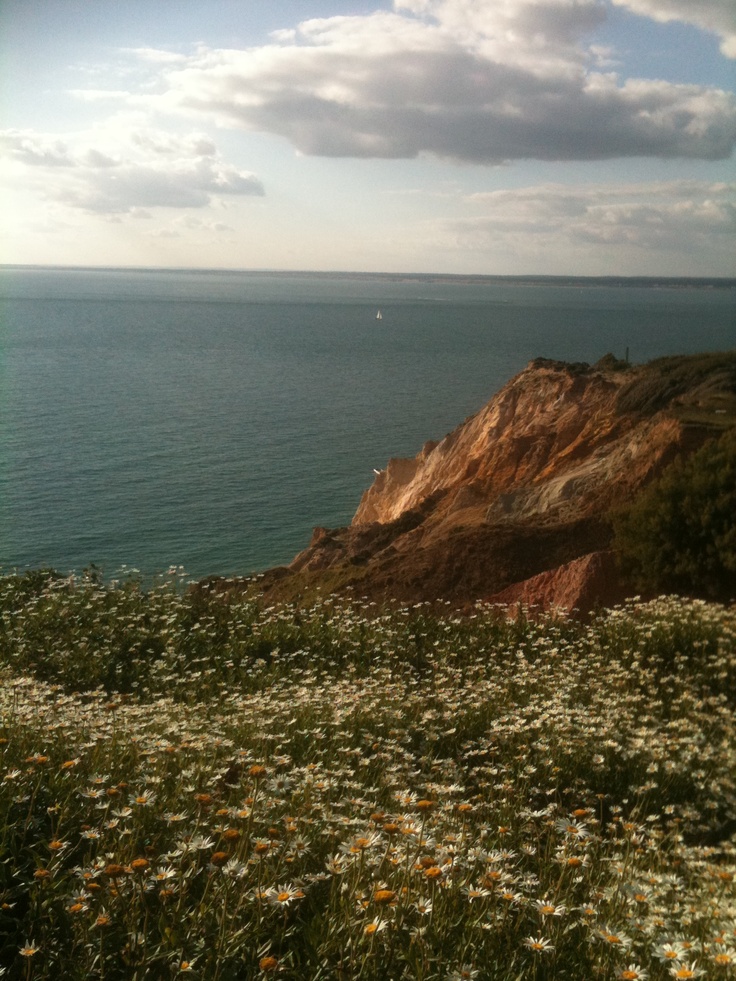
(193, 145)
(193, 222)
(717, 16)
(483, 81)
(672, 216)
(100, 95)
(135, 185)
(148, 169)
(34, 149)
(155, 55)
(501, 27)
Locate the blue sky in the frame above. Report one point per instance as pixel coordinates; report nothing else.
(460, 136)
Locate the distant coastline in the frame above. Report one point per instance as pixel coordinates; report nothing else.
(525, 279)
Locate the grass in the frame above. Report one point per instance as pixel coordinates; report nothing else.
(203, 786)
(704, 380)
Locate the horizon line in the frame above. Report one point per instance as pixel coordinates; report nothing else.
(580, 277)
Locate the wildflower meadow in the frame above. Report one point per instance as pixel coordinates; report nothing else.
(200, 784)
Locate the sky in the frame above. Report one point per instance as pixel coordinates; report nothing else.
(499, 137)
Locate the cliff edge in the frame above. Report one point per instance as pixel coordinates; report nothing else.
(522, 487)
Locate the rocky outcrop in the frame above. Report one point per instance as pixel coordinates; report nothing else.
(523, 486)
(579, 586)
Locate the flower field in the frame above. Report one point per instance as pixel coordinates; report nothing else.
(201, 785)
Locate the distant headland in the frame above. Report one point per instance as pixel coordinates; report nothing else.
(515, 504)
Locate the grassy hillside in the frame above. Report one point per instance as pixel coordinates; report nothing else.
(701, 388)
(209, 788)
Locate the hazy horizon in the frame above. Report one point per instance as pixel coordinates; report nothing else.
(526, 278)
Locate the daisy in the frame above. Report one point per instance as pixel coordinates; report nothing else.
(724, 958)
(669, 953)
(686, 971)
(615, 938)
(464, 973)
(574, 828)
(539, 945)
(546, 908)
(374, 927)
(633, 973)
(283, 895)
(476, 892)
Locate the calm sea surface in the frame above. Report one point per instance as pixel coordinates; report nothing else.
(211, 419)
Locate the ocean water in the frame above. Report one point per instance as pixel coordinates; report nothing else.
(210, 419)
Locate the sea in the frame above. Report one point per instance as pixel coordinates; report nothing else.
(207, 420)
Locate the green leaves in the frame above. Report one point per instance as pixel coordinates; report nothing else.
(679, 535)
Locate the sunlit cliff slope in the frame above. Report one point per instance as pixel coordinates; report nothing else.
(522, 487)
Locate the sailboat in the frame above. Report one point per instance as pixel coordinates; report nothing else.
(379, 315)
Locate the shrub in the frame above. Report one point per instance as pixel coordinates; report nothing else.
(680, 533)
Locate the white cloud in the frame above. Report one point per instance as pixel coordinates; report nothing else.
(155, 55)
(186, 184)
(501, 27)
(35, 149)
(164, 233)
(168, 144)
(484, 81)
(286, 34)
(147, 169)
(198, 224)
(100, 95)
(95, 158)
(680, 216)
(717, 16)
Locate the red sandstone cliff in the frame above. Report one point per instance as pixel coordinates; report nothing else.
(524, 485)
(549, 443)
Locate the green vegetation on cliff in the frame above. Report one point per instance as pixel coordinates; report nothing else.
(698, 378)
(679, 534)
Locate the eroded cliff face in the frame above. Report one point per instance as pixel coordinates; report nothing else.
(521, 487)
(549, 443)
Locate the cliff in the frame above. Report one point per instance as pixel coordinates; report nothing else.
(522, 487)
